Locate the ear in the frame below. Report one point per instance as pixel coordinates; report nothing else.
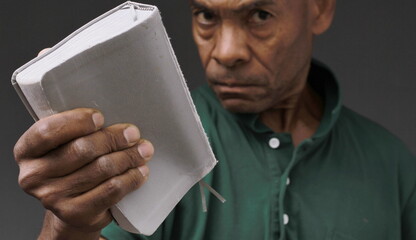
(323, 13)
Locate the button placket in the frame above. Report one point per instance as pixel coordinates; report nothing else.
(277, 147)
(273, 143)
(285, 182)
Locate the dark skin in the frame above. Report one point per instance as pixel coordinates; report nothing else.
(256, 54)
(78, 170)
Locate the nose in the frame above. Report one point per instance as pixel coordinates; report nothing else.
(231, 48)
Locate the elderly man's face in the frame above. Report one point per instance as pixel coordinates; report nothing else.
(256, 53)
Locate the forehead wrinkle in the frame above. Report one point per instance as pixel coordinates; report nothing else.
(250, 4)
(253, 4)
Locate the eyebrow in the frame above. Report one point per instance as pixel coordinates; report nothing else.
(242, 8)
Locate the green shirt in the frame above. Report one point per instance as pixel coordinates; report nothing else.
(352, 180)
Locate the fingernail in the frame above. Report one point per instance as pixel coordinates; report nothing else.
(146, 149)
(98, 119)
(44, 51)
(131, 134)
(144, 170)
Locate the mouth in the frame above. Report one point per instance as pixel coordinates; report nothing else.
(237, 86)
(235, 91)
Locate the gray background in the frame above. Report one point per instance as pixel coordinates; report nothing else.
(370, 47)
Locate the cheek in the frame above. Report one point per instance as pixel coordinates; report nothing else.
(204, 49)
(270, 51)
(203, 39)
(283, 55)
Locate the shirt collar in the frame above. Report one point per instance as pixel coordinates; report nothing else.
(323, 81)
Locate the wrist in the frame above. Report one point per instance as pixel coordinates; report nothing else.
(54, 228)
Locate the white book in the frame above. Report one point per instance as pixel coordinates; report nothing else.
(122, 63)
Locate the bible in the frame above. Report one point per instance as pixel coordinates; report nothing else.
(122, 64)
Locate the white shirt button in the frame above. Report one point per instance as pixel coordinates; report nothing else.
(287, 181)
(285, 219)
(274, 143)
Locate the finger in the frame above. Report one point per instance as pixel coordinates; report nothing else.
(82, 151)
(43, 51)
(53, 131)
(78, 154)
(97, 201)
(100, 170)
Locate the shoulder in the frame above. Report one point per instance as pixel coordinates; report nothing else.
(372, 139)
(378, 152)
(368, 130)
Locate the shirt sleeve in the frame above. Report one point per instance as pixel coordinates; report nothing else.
(409, 219)
(114, 232)
(409, 204)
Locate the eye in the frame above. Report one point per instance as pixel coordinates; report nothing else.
(259, 16)
(204, 17)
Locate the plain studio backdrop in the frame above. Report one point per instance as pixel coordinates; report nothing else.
(370, 47)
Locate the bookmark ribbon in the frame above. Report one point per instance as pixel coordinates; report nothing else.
(133, 12)
(203, 185)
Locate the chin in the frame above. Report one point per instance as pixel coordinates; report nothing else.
(241, 106)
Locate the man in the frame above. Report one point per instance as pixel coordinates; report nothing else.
(293, 162)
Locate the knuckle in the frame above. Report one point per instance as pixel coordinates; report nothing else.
(115, 137)
(66, 211)
(25, 182)
(18, 151)
(111, 140)
(114, 187)
(28, 179)
(132, 157)
(104, 166)
(81, 147)
(82, 115)
(48, 197)
(43, 128)
(136, 179)
(43, 132)
(48, 201)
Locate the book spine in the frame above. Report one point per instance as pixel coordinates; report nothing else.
(24, 99)
(33, 97)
